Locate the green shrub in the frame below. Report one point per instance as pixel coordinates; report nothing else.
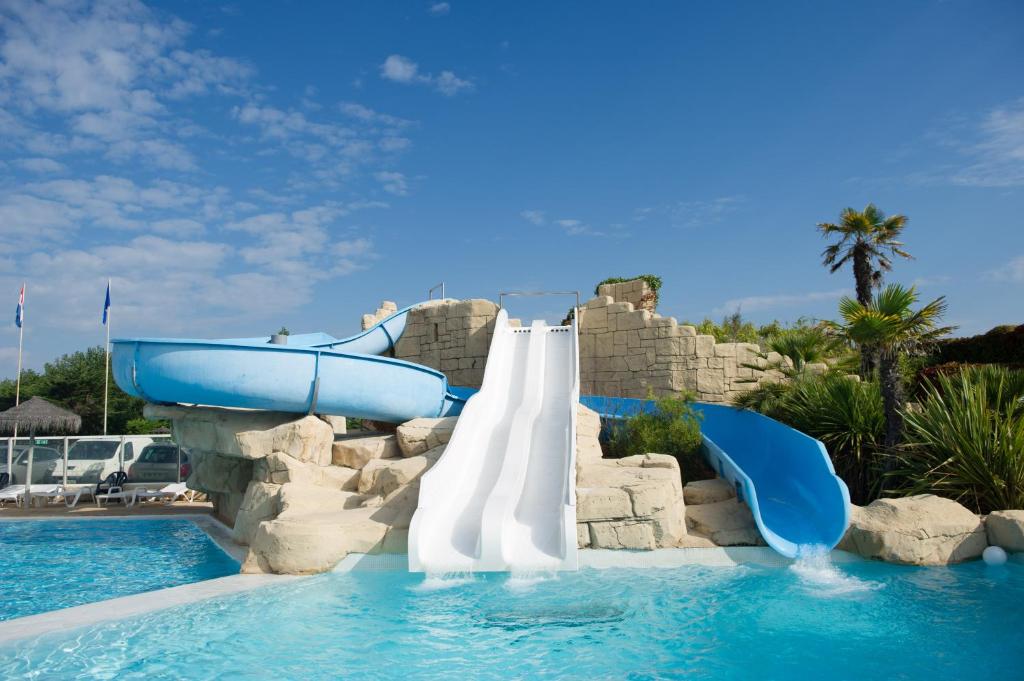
(846, 415)
(144, 426)
(672, 428)
(966, 441)
(653, 281)
(1001, 345)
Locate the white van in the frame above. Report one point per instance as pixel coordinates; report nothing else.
(91, 460)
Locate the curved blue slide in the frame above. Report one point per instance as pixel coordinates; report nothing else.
(786, 477)
(311, 373)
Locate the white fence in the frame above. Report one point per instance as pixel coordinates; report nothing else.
(87, 460)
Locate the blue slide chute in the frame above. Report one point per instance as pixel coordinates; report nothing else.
(783, 475)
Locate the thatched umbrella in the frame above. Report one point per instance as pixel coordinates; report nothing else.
(36, 414)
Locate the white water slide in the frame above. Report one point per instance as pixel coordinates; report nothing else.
(503, 495)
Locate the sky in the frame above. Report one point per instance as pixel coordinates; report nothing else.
(233, 168)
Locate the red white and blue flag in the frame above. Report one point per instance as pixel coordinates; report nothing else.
(19, 316)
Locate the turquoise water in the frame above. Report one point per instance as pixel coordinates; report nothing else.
(51, 564)
(857, 621)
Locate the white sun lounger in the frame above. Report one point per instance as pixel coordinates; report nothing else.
(115, 492)
(13, 493)
(58, 492)
(169, 494)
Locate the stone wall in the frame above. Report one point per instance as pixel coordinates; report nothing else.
(452, 336)
(625, 350)
(386, 309)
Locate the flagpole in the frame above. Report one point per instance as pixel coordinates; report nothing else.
(106, 364)
(17, 387)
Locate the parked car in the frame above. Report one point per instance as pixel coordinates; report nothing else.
(158, 462)
(91, 460)
(44, 461)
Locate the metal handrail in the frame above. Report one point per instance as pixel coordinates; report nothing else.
(430, 291)
(502, 294)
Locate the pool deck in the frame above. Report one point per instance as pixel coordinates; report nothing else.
(89, 509)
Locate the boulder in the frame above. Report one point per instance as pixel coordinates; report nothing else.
(623, 534)
(398, 507)
(602, 503)
(296, 499)
(247, 434)
(258, 504)
(1006, 529)
(381, 477)
(279, 468)
(918, 530)
(588, 430)
(708, 491)
(726, 523)
(419, 435)
(311, 543)
(213, 472)
(339, 424)
(356, 451)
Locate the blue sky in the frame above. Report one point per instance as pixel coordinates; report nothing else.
(236, 167)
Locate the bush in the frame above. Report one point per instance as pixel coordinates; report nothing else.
(672, 428)
(966, 441)
(1001, 345)
(144, 426)
(653, 281)
(846, 415)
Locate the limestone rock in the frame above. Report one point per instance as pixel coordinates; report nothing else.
(727, 523)
(356, 452)
(602, 503)
(918, 530)
(623, 534)
(297, 499)
(247, 434)
(258, 504)
(383, 476)
(419, 435)
(588, 430)
(279, 468)
(213, 472)
(339, 424)
(1006, 529)
(311, 543)
(708, 491)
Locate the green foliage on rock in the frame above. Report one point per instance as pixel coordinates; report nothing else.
(653, 281)
(672, 428)
(75, 381)
(1001, 345)
(966, 440)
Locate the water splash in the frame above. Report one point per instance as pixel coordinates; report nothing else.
(820, 577)
(438, 581)
(526, 580)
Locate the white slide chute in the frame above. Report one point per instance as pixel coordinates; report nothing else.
(503, 495)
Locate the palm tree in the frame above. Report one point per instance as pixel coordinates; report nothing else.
(891, 325)
(869, 240)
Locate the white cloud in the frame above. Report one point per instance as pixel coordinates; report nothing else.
(535, 217)
(368, 115)
(691, 214)
(439, 9)
(772, 302)
(40, 165)
(404, 70)
(392, 182)
(1012, 272)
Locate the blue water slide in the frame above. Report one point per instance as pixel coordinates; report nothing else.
(311, 373)
(783, 475)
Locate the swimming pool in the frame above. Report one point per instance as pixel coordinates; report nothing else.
(51, 564)
(856, 621)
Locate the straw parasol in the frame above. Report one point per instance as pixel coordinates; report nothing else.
(36, 414)
(41, 415)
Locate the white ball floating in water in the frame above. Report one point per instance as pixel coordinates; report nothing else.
(994, 555)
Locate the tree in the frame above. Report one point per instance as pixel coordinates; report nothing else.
(891, 325)
(75, 381)
(867, 239)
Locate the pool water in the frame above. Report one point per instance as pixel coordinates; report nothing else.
(815, 621)
(51, 564)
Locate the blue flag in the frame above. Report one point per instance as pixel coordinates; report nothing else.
(19, 316)
(106, 304)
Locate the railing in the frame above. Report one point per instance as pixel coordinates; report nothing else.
(47, 461)
(430, 292)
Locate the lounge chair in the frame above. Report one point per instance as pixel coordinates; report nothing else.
(51, 492)
(169, 494)
(13, 493)
(112, 488)
(5, 480)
